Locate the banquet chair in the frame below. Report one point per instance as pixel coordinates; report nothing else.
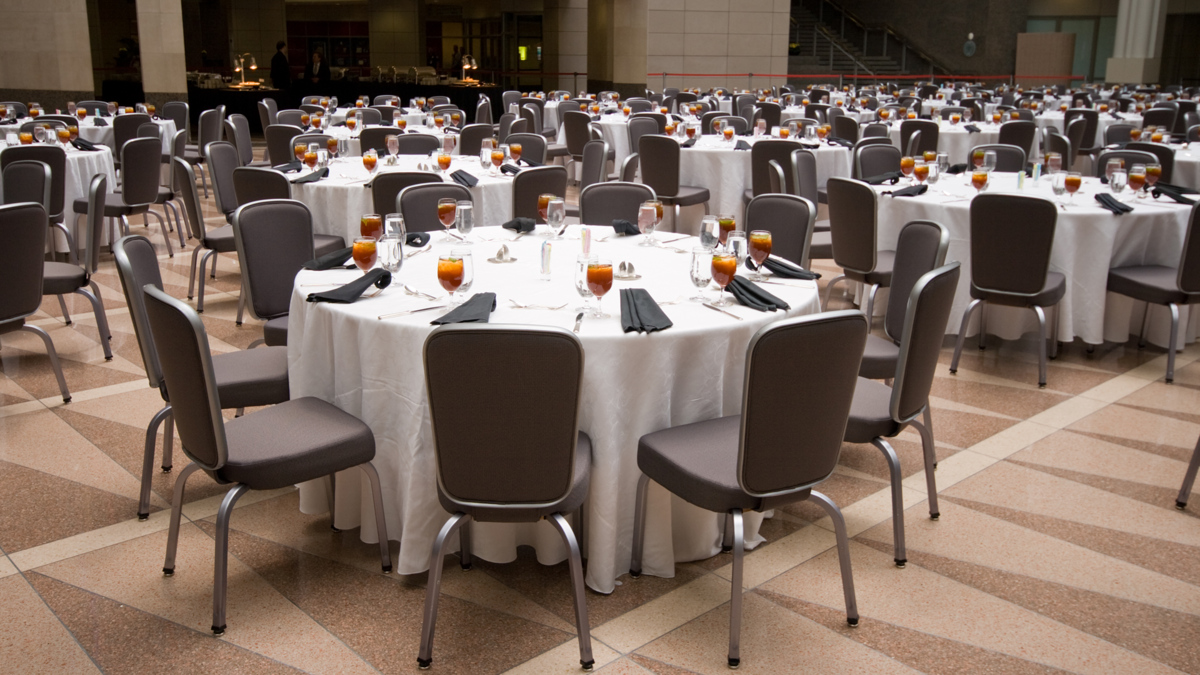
(533, 146)
(761, 153)
(210, 131)
(1008, 157)
(1183, 108)
(273, 239)
(1121, 104)
(218, 240)
(255, 183)
(29, 180)
(881, 412)
(947, 111)
(521, 126)
(23, 230)
(371, 117)
(241, 139)
(487, 468)
(1118, 133)
(509, 97)
(418, 144)
(45, 121)
(875, 130)
(51, 156)
(771, 112)
(1087, 140)
(834, 113)
(804, 175)
(387, 100)
(529, 183)
(177, 112)
(854, 233)
(125, 129)
(639, 127)
(1164, 153)
(629, 168)
(799, 387)
(789, 219)
(685, 97)
(375, 138)
(846, 128)
(1193, 133)
(1189, 479)
(658, 118)
(319, 138)
(140, 188)
(1129, 157)
(741, 126)
(246, 378)
(387, 186)
(639, 105)
(222, 159)
(264, 115)
(1190, 119)
(575, 132)
(928, 141)
(95, 107)
(706, 122)
(418, 204)
(292, 442)
(483, 111)
(594, 170)
(1005, 229)
(279, 143)
(313, 100)
(874, 159)
(312, 108)
(1021, 133)
(503, 126)
(59, 279)
(817, 111)
(290, 117)
(1023, 115)
(1163, 118)
(470, 140)
(602, 203)
(387, 114)
(533, 115)
(659, 159)
(1162, 285)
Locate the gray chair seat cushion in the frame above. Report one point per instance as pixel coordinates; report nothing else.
(60, 278)
(698, 462)
(220, 239)
(881, 275)
(113, 208)
(293, 442)
(252, 377)
(165, 194)
(569, 504)
(556, 150)
(327, 243)
(1151, 283)
(275, 331)
(821, 226)
(821, 246)
(879, 358)
(688, 195)
(1051, 293)
(572, 210)
(870, 415)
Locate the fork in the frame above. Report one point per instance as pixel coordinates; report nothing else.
(517, 305)
(419, 250)
(420, 294)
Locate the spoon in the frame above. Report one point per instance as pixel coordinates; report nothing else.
(412, 291)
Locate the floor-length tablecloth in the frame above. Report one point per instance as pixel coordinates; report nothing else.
(81, 166)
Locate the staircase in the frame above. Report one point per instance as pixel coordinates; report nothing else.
(842, 45)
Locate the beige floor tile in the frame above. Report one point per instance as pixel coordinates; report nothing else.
(1071, 451)
(623, 666)
(663, 614)
(1067, 412)
(1123, 422)
(770, 561)
(133, 403)
(33, 639)
(1160, 395)
(565, 659)
(1015, 438)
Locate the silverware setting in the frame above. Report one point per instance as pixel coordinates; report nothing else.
(409, 311)
(518, 305)
(420, 294)
(578, 323)
(419, 250)
(718, 309)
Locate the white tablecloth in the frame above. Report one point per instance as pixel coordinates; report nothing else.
(615, 129)
(412, 116)
(103, 135)
(1103, 120)
(339, 201)
(81, 167)
(633, 384)
(1088, 241)
(954, 140)
(1187, 166)
(355, 148)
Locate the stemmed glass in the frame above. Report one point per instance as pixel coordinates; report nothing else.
(979, 179)
(497, 160)
(581, 285)
(391, 252)
(1153, 173)
(447, 208)
(599, 282)
(393, 223)
(907, 164)
(1117, 181)
(1053, 162)
(726, 224)
(371, 225)
(710, 233)
(1115, 164)
(701, 271)
(759, 248)
(370, 159)
(393, 148)
(365, 253)
(1137, 179)
(921, 171)
(310, 155)
(556, 213)
(454, 273)
(331, 144)
(443, 160)
(464, 219)
(647, 218)
(1072, 184)
(724, 267)
(989, 161)
(543, 206)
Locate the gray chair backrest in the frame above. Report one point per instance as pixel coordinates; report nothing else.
(141, 167)
(1020, 133)
(253, 184)
(1076, 131)
(125, 128)
(875, 160)
(763, 152)
(279, 143)
(1052, 142)
(470, 140)
(533, 146)
(26, 180)
(517, 448)
(95, 107)
(1164, 153)
(659, 118)
(1008, 157)
(290, 117)
(264, 115)
(386, 99)
(241, 138)
(371, 117)
(929, 304)
(386, 187)
(771, 112)
(706, 122)
(1118, 133)
(639, 105)
(505, 123)
(875, 130)
(602, 203)
(595, 161)
(483, 111)
(52, 156)
(852, 224)
(387, 114)
(1193, 133)
(177, 112)
(804, 175)
(1164, 118)
(792, 430)
(777, 183)
(1092, 117)
(1188, 277)
(137, 267)
(740, 124)
(519, 126)
(789, 219)
(659, 157)
(920, 248)
(94, 223)
(509, 97)
(575, 127)
(629, 168)
(31, 127)
(846, 128)
(274, 239)
(375, 138)
(184, 178)
(530, 183)
(1011, 240)
(929, 136)
(222, 160)
(1129, 157)
(418, 204)
(639, 127)
(418, 144)
(186, 362)
(311, 100)
(23, 228)
(150, 131)
(211, 122)
(532, 115)
(312, 109)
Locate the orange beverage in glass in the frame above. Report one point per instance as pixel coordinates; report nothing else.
(912, 115)
(822, 131)
(955, 118)
(1073, 181)
(310, 158)
(1135, 134)
(884, 113)
(669, 129)
(514, 151)
(1153, 173)
(1156, 137)
(331, 144)
(369, 159)
(497, 158)
(64, 135)
(299, 149)
(726, 224)
(324, 103)
(351, 123)
(305, 119)
(627, 110)
(358, 103)
(728, 131)
(759, 246)
(1014, 115)
(81, 113)
(996, 118)
(437, 121)
(595, 107)
(921, 171)
(724, 267)
(446, 210)
(34, 112)
(1064, 107)
(906, 165)
(401, 122)
(455, 118)
(929, 155)
(74, 131)
(658, 211)
(690, 131)
(977, 157)
(599, 278)
(979, 180)
(544, 205)
(26, 137)
(663, 110)
(784, 132)
(371, 226)
(1103, 107)
(364, 253)
(450, 273)
(444, 161)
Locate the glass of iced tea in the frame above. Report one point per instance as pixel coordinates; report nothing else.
(310, 155)
(74, 131)
(64, 135)
(401, 122)
(727, 224)
(921, 171)
(371, 225)
(823, 131)
(81, 113)
(26, 138)
(1153, 173)
(1135, 134)
(906, 165)
(331, 144)
(497, 160)
(690, 130)
(627, 110)
(370, 160)
(728, 133)
(599, 282)
(544, 203)
(1137, 178)
(759, 248)
(514, 152)
(447, 208)
(884, 113)
(299, 149)
(365, 253)
(1072, 183)
(979, 179)
(977, 157)
(929, 156)
(724, 267)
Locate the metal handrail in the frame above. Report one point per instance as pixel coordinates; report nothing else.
(819, 31)
(905, 43)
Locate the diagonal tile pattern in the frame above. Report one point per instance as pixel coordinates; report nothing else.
(1058, 547)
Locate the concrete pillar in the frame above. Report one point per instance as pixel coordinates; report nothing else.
(565, 36)
(395, 35)
(1137, 50)
(160, 37)
(45, 53)
(616, 46)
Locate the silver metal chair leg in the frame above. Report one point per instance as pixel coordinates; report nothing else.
(1189, 479)
(1054, 335)
(166, 235)
(62, 304)
(125, 226)
(179, 226)
(897, 500)
(221, 562)
(962, 334)
(203, 283)
(259, 341)
(464, 546)
(843, 547)
(1041, 317)
(1171, 342)
(101, 317)
(1142, 334)
(433, 589)
(829, 288)
(385, 555)
(192, 275)
(168, 441)
(639, 527)
(330, 497)
(930, 459)
(176, 513)
(982, 326)
(927, 415)
(870, 308)
(54, 364)
(148, 460)
(241, 304)
(575, 560)
(213, 272)
(735, 595)
(727, 534)
(203, 179)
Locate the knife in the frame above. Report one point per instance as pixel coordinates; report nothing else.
(578, 323)
(718, 309)
(410, 311)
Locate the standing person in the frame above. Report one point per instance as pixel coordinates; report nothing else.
(317, 71)
(456, 60)
(281, 75)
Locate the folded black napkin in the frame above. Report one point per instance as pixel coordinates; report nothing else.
(12, 121)
(97, 122)
(378, 278)
(530, 162)
(675, 117)
(1115, 116)
(753, 296)
(84, 144)
(1180, 189)
(688, 143)
(476, 310)
(810, 146)
(640, 312)
(741, 145)
(624, 227)
(971, 128)
(610, 112)
(958, 168)
(1109, 202)
(1174, 192)
(312, 177)
(889, 177)
(910, 191)
(329, 261)
(510, 169)
(290, 167)
(464, 179)
(417, 239)
(783, 268)
(520, 224)
(841, 141)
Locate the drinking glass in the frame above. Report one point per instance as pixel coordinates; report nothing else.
(543, 204)
(934, 172)
(365, 253)
(371, 225)
(921, 171)
(1135, 134)
(64, 135)
(446, 210)
(497, 160)
(658, 212)
(759, 248)
(514, 152)
(907, 164)
(1058, 183)
(735, 243)
(80, 114)
(979, 179)
(724, 267)
(701, 271)
(305, 119)
(1115, 164)
(485, 158)
(391, 252)
(727, 132)
(464, 219)
(393, 223)
(443, 160)
(760, 127)
(581, 285)
(299, 149)
(727, 224)
(1137, 179)
(74, 131)
(310, 155)
(1153, 173)
(39, 133)
(1072, 184)
(989, 160)
(943, 162)
(1053, 162)
(369, 159)
(393, 147)
(977, 157)
(556, 213)
(647, 218)
(1117, 181)
(454, 273)
(599, 282)
(710, 229)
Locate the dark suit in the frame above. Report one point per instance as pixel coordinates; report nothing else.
(322, 72)
(281, 74)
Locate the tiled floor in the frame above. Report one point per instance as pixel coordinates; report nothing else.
(1058, 548)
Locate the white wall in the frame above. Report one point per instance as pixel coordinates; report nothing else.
(45, 45)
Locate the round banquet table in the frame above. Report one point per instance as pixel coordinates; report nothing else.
(81, 166)
(633, 384)
(103, 135)
(1088, 240)
(615, 129)
(412, 116)
(1187, 166)
(339, 201)
(354, 148)
(1103, 120)
(954, 140)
